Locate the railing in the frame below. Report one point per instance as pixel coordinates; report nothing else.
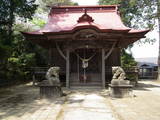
(39, 70)
(128, 70)
(38, 73)
(131, 73)
(131, 69)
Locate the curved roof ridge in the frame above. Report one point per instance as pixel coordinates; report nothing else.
(86, 6)
(71, 9)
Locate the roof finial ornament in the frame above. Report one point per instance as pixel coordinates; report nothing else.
(85, 11)
(85, 17)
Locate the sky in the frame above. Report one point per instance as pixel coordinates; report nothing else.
(139, 50)
(147, 50)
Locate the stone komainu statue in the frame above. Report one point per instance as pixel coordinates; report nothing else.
(52, 75)
(119, 76)
(118, 73)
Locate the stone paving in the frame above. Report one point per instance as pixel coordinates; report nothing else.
(23, 103)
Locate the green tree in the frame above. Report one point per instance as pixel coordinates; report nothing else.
(143, 12)
(10, 12)
(56, 2)
(158, 16)
(13, 12)
(40, 18)
(127, 59)
(127, 10)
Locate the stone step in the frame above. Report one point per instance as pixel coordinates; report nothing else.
(85, 84)
(85, 87)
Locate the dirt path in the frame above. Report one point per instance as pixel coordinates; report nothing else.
(85, 105)
(22, 103)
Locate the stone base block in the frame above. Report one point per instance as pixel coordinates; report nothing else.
(120, 91)
(48, 90)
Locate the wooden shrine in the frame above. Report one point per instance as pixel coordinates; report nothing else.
(85, 42)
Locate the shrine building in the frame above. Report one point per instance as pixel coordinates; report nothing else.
(85, 42)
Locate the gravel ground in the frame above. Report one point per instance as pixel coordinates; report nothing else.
(22, 103)
(144, 105)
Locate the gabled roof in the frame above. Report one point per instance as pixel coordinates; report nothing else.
(68, 19)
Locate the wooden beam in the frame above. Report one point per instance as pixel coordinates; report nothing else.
(67, 67)
(103, 69)
(60, 51)
(110, 51)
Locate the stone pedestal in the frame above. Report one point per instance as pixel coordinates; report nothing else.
(120, 91)
(119, 87)
(48, 90)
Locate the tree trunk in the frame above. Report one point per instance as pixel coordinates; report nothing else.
(11, 21)
(158, 14)
(159, 50)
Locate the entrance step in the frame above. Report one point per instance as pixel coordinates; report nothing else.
(85, 87)
(93, 84)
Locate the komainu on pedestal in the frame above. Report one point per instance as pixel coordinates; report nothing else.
(119, 87)
(51, 87)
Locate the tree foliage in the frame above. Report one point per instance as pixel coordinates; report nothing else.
(57, 2)
(13, 57)
(40, 18)
(12, 10)
(141, 12)
(17, 54)
(136, 14)
(127, 59)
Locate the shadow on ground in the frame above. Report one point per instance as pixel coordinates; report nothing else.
(26, 101)
(145, 86)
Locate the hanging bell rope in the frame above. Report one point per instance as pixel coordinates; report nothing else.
(85, 60)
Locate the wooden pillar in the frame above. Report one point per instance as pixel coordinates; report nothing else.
(103, 68)
(119, 63)
(50, 56)
(67, 68)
